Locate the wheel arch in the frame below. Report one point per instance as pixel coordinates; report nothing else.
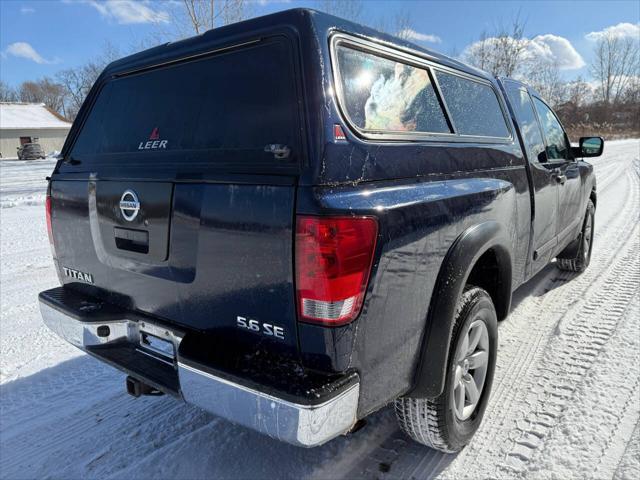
(481, 253)
(571, 250)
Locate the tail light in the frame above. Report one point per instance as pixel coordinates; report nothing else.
(333, 261)
(49, 229)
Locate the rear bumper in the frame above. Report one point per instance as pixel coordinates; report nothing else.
(295, 423)
(301, 421)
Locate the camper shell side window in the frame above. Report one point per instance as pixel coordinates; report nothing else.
(390, 95)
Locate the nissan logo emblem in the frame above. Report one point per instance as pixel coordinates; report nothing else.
(129, 205)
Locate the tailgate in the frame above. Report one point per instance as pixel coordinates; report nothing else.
(172, 201)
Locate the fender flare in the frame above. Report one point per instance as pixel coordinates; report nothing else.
(452, 277)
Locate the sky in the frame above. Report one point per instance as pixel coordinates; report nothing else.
(41, 37)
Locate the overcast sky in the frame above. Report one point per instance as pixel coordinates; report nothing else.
(41, 37)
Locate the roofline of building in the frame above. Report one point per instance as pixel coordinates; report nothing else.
(57, 115)
(38, 104)
(36, 128)
(23, 103)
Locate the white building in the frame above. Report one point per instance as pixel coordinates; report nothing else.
(30, 122)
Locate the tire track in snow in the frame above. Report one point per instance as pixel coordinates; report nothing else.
(571, 354)
(628, 466)
(630, 412)
(396, 457)
(114, 417)
(602, 412)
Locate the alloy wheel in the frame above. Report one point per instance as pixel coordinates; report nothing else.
(587, 237)
(471, 362)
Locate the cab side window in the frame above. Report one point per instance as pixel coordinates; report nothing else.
(529, 127)
(557, 145)
(473, 105)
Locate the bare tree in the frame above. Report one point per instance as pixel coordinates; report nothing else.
(403, 25)
(77, 81)
(45, 91)
(615, 63)
(400, 24)
(7, 93)
(193, 17)
(578, 92)
(544, 76)
(631, 94)
(478, 53)
(349, 9)
(501, 52)
(233, 11)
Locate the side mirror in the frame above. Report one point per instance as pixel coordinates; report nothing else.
(591, 146)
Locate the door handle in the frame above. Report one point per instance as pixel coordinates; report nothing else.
(278, 151)
(561, 178)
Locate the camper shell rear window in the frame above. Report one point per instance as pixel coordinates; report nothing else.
(226, 107)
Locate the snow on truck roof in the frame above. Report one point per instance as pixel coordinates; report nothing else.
(15, 115)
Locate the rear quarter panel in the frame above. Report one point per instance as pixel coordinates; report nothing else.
(425, 194)
(420, 217)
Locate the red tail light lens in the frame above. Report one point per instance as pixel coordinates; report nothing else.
(333, 262)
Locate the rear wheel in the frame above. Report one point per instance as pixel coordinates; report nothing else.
(448, 422)
(582, 258)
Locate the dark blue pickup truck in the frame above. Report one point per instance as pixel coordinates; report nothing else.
(295, 220)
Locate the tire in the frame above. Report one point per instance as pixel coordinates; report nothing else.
(437, 422)
(582, 258)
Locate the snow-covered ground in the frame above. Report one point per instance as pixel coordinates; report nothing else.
(22, 182)
(565, 402)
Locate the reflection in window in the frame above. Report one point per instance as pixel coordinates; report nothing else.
(385, 95)
(473, 106)
(204, 114)
(557, 146)
(529, 127)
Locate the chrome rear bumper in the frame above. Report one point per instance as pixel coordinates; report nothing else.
(302, 424)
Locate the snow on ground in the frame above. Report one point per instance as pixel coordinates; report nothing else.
(22, 182)
(565, 403)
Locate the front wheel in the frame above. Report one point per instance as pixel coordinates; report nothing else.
(448, 422)
(582, 258)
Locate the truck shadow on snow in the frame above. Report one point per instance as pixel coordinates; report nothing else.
(75, 420)
(546, 280)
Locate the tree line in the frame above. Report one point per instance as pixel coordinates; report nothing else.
(63, 93)
(609, 103)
